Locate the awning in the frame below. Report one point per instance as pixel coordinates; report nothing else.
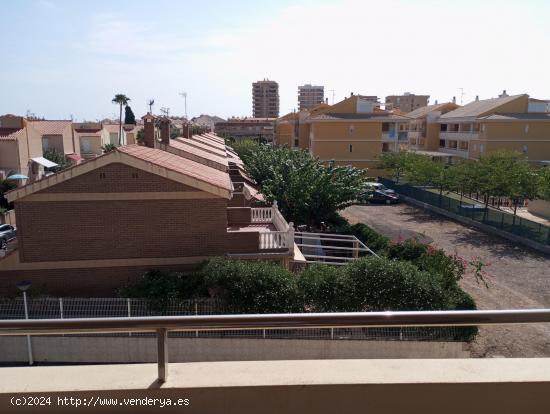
(74, 157)
(44, 162)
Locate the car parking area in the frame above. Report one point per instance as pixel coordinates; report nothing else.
(517, 276)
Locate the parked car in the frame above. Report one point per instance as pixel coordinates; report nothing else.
(380, 196)
(7, 233)
(378, 186)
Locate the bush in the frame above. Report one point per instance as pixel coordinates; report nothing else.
(380, 284)
(325, 288)
(409, 250)
(374, 240)
(252, 287)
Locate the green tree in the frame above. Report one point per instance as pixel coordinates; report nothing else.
(464, 177)
(245, 147)
(396, 162)
(543, 182)
(521, 183)
(121, 100)
(422, 170)
(307, 191)
(129, 117)
(58, 157)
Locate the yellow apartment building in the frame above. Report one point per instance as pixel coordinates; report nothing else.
(424, 126)
(355, 132)
(503, 123)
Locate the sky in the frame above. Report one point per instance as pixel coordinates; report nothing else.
(63, 58)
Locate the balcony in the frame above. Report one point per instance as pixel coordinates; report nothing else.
(265, 228)
(292, 386)
(459, 135)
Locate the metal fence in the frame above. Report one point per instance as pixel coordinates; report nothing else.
(491, 217)
(73, 308)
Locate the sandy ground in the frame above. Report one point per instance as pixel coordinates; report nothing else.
(518, 277)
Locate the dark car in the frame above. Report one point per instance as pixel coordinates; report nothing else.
(7, 233)
(381, 196)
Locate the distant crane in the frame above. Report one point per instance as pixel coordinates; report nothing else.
(184, 94)
(150, 103)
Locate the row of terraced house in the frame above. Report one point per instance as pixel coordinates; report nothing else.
(165, 204)
(358, 129)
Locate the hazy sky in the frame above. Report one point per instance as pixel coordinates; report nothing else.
(70, 57)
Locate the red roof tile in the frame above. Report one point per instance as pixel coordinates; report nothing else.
(50, 127)
(10, 134)
(179, 164)
(184, 146)
(203, 146)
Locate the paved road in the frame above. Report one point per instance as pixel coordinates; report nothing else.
(518, 277)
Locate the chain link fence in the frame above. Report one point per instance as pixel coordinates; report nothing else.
(56, 308)
(474, 211)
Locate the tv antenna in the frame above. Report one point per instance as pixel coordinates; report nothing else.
(184, 94)
(150, 103)
(332, 90)
(165, 111)
(461, 95)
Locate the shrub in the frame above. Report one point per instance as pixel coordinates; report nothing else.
(409, 250)
(374, 240)
(252, 287)
(325, 288)
(381, 284)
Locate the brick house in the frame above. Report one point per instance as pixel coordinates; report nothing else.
(92, 228)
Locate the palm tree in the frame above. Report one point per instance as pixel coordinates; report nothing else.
(122, 100)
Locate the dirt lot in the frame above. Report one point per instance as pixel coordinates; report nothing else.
(518, 277)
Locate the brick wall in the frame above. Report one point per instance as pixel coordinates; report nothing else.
(116, 178)
(239, 215)
(243, 242)
(92, 282)
(87, 230)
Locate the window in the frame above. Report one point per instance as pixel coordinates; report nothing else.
(443, 128)
(350, 148)
(351, 129)
(481, 148)
(441, 143)
(385, 127)
(526, 128)
(525, 149)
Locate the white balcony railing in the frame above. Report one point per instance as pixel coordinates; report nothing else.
(282, 237)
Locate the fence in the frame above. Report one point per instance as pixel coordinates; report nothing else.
(74, 308)
(491, 217)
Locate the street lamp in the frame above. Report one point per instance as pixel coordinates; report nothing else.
(23, 286)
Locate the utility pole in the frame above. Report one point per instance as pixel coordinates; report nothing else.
(332, 90)
(184, 94)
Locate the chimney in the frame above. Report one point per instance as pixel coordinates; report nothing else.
(326, 101)
(352, 94)
(165, 130)
(477, 98)
(503, 94)
(435, 102)
(149, 130)
(454, 99)
(185, 130)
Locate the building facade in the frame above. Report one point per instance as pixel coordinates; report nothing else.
(309, 96)
(407, 102)
(262, 128)
(265, 99)
(91, 229)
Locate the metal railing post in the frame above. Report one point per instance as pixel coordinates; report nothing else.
(162, 354)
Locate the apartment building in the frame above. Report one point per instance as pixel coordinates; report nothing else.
(407, 102)
(309, 96)
(262, 128)
(265, 99)
(355, 132)
(292, 130)
(488, 125)
(91, 229)
(424, 126)
(23, 143)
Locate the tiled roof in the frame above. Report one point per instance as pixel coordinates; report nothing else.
(179, 164)
(533, 116)
(210, 141)
(51, 127)
(204, 146)
(10, 134)
(184, 146)
(425, 110)
(478, 108)
(352, 116)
